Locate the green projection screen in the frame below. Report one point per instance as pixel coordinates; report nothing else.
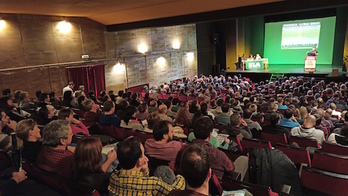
(288, 42)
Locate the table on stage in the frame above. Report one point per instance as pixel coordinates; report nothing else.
(259, 64)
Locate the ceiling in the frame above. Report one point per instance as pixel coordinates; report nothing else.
(111, 12)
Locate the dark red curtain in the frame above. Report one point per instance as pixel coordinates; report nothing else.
(92, 77)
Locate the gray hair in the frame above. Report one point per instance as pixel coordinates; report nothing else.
(87, 105)
(54, 131)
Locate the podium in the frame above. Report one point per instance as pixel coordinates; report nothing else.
(310, 63)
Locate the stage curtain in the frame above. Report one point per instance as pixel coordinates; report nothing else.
(92, 77)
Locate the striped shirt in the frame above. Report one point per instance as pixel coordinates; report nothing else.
(135, 183)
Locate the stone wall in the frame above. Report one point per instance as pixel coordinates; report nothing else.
(34, 54)
(141, 69)
(34, 41)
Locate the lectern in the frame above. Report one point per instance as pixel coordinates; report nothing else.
(310, 63)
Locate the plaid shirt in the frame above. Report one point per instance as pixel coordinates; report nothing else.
(134, 183)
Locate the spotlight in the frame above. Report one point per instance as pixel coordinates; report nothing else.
(161, 61)
(119, 68)
(176, 44)
(64, 27)
(190, 56)
(2, 24)
(142, 48)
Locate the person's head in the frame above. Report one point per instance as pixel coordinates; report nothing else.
(310, 121)
(203, 128)
(332, 106)
(288, 114)
(28, 130)
(247, 113)
(67, 95)
(163, 130)
(89, 105)
(314, 48)
(142, 108)
(235, 119)
(66, 114)
(4, 118)
(253, 108)
(303, 112)
(183, 117)
(344, 131)
(7, 92)
(152, 120)
(46, 112)
(169, 104)
(38, 93)
(24, 96)
(225, 108)
(130, 112)
(153, 103)
(71, 85)
(130, 154)
(109, 106)
(318, 119)
(219, 102)
(273, 107)
(88, 155)
(44, 97)
(162, 109)
(275, 118)
(328, 114)
(204, 108)
(57, 133)
(195, 165)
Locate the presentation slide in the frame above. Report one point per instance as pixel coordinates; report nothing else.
(300, 35)
(288, 42)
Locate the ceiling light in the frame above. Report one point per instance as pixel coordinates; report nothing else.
(64, 26)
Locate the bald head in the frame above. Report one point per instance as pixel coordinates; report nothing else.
(310, 121)
(162, 109)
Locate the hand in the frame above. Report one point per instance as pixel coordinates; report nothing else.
(112, 155)
(242, 122)
(12, 124)
(15, 105)
(227, 140)
(19, 176)
(71, 149)
(75, 121)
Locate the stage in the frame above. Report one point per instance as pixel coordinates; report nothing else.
(322, 72)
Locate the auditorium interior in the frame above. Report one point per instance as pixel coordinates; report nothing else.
(170, 50)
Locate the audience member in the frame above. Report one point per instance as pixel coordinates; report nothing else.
(307, 130)
(133, 178)
(236, 127)
(108, 116)
(289, 121)
(76, 125)
(162, 146)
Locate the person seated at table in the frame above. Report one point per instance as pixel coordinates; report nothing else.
(257, 57)
(251, 57)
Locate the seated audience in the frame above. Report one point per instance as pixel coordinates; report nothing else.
(130, 121)
(89, 172)
(307, 130)
(46, 115)
(76, 125)
(29, 133)
(92, 113)
(236, 127)
(169, 105)
(274, 127)
(195, 167)
(142, 113)
(133, 178)
(162, 146)
(56, 155)
(152, 106)
(341, 138)
(289, 121)
(108, 116)
(224, 117)
(247, 115)
(162, 113)
(220, 163)
(151, 121)
(25, 103)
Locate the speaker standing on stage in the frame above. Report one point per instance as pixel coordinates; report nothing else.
(313, 52)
